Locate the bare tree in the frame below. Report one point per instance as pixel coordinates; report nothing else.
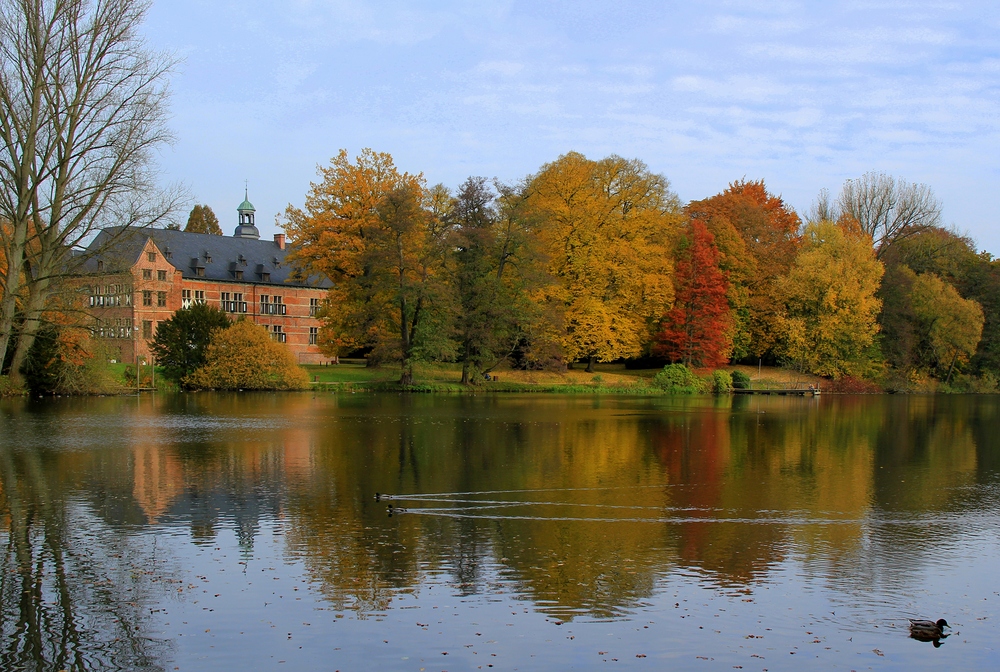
(822, 209)
(889, 209)
(82, 111)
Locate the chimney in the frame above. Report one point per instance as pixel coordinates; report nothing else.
(279, 240)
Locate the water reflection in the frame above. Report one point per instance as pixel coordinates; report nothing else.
(584, 507)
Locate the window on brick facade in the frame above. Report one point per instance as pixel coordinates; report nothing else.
(199, 296)
(185, 298)
(277, 333)
(239, 305)
(147, 297)
(161, 299)
(161, 276)
(313, 307)
(147, 329)
(151, 256)
(313, 335)
(147, 274)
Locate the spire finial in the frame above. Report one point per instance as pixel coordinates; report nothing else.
(246, 190)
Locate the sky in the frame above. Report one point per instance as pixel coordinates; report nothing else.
(803, 95)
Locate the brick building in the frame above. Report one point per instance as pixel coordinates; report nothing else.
(139, 278)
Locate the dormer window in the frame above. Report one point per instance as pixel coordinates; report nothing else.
(277, 264)
(265, 277)
(167, 253)
(208, 257)
(242, 260)
(100, 265)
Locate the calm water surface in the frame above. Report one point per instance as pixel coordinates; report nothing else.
(530, 532)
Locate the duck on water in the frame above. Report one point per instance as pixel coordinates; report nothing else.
(928, 631)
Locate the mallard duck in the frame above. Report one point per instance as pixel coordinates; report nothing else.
(928, 631)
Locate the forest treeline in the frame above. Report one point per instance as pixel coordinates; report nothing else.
(591, 261)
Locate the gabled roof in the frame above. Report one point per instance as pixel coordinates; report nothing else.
(186, 251)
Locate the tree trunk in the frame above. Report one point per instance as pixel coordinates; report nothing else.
(32, 320)
(8, 305)
(465, 372)
(406, 375)
(590, 364)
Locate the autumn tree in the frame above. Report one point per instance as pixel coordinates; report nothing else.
(328, 236)
(696, 329)
(953, 325)
(82, 113)
(606, 228)
(379, 237)
(757, 236)
(203, 220)
(953, 258)
(831, 309)
(887, 208)
(493, 263)
(243, 356)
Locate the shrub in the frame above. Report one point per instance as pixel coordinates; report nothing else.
(741, 381)
(678, 379)
(182, 340)
(722, 382)
(244, 357)
(64, 361)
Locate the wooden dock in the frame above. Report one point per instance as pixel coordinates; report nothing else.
(787, 389)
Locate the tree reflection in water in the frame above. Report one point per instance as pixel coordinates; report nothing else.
(577, 508)
(72, 591)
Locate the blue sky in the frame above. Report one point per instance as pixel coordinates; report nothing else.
(801, 94)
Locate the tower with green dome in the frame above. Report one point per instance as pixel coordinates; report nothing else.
(246, 228)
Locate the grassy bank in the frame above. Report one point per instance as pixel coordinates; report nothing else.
(446, 378)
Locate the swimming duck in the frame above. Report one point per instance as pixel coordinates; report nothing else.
(928, 631)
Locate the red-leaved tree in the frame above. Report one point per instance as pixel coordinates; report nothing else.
(696, 330)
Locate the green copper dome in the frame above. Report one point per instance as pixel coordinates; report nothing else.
(246, 206)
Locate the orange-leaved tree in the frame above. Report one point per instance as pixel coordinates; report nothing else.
(377, 235)
(607, 228)
(696, 329)
(757, 236)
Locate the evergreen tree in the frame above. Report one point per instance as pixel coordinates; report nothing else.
(203, 220)
(180, 343)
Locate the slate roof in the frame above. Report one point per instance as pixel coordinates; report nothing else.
(218, 255)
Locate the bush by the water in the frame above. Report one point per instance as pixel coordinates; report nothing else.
(741, 381)
(66, 361)
(245, 357)
(679, 379)
(722, 382)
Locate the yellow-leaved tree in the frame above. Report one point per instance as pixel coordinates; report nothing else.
(953, 325)
(831, 310)
(245, 357)
(606, 228)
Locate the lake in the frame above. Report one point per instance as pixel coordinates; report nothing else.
(528, 532)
